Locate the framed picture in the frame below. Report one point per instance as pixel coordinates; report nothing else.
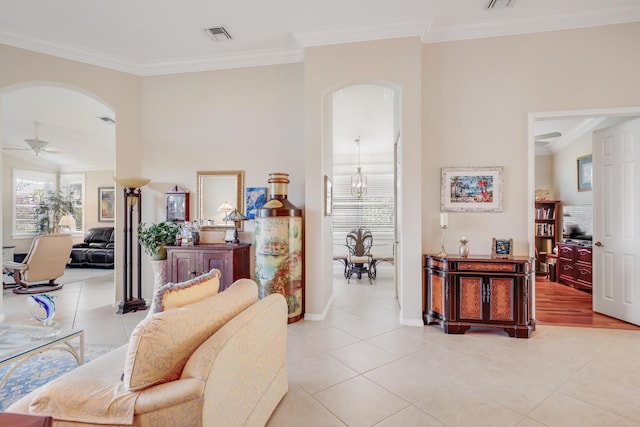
(585, 173)
(328, 196)
(501, 248)
(471, 189)
(106, 202)
(255, 198)
(177, 204)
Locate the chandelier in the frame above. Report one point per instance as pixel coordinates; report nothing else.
(358, 181)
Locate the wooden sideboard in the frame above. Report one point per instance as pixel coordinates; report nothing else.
(460, 293)
(186, 262)
(574, 265)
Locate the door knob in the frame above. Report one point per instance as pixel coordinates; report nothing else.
(598, 244)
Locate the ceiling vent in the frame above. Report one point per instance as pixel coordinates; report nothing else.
(500, 4)
(218, 34)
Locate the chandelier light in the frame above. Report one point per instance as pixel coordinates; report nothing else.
(358, 181)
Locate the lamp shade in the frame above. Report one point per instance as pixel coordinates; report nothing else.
(225, 207)
(131, 182)
(67, 221)
(235, 216)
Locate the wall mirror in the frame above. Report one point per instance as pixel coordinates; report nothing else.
(219, 192)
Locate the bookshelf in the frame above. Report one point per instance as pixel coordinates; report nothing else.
(546, 228)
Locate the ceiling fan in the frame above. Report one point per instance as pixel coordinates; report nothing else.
(36, 145)
(545, 138)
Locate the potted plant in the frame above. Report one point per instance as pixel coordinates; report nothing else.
(52, 208)
(154, 237)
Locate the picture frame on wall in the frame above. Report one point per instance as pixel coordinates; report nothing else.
(585, 173)
(328, 196)
(471, 189)
(177, 201)
(106, 204)
(501, 248)
(255, 198)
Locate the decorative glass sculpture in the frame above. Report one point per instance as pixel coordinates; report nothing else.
(43, 308)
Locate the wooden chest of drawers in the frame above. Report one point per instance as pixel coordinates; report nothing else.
(574, 266)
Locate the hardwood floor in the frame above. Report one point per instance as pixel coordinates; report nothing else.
(561, 305)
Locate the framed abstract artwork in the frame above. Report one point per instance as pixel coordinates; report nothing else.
(471, 189)
(255, 197)
(106, 198)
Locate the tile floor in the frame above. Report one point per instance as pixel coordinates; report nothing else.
(360, 367)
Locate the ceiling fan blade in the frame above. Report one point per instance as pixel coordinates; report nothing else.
(548, 135)
(16, 147)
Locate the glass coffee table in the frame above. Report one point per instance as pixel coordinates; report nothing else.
(21, 342)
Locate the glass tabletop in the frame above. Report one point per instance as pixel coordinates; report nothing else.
(17, 340)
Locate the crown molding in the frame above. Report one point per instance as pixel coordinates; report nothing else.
(533, 24)
(341, 35)
(222, 62)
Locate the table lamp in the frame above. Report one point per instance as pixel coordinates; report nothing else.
(236, 217)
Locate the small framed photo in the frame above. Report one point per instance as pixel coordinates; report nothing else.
(177, 204)
(585, 175)
(471, 189)
(501, 248)
(106, 203)
(328, 196)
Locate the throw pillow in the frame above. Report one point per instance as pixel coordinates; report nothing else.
(160, 345)
(175, 295)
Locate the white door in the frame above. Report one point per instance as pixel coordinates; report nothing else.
(616, 221)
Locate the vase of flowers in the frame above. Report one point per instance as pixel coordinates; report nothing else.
(463, 249)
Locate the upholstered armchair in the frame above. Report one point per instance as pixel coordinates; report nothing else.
(45, 262)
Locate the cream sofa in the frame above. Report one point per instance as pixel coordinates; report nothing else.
(195, 360)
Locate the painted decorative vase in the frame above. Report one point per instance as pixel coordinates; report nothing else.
(463, 249)
(279, 258)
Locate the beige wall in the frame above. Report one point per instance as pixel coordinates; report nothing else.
(477, 95)
(566, 172)
(246, 119)
(463, 103)
(395, 64)
(545, 175)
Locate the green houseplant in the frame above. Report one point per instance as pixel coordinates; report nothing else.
(52, 208)
(154, 237)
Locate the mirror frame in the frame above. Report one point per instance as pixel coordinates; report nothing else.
(212, 200)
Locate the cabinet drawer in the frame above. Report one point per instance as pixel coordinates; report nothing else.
(583, 255)
(565, 252)
(567, 271)
(583, 274)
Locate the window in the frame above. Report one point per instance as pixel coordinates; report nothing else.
(72, 186)
(375, 210)
(29, 189)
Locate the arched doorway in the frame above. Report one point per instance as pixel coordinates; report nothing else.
(79, 129)
(364, 126)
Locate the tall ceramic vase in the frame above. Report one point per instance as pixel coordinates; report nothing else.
(279, 256)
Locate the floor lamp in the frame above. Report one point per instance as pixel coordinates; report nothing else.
(132, 202)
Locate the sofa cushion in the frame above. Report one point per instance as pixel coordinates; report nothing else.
(161, 344)
(175, 295)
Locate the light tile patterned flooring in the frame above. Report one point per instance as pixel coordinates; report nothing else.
(360, 367)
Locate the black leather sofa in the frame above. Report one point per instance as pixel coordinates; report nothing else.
(96, 250)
